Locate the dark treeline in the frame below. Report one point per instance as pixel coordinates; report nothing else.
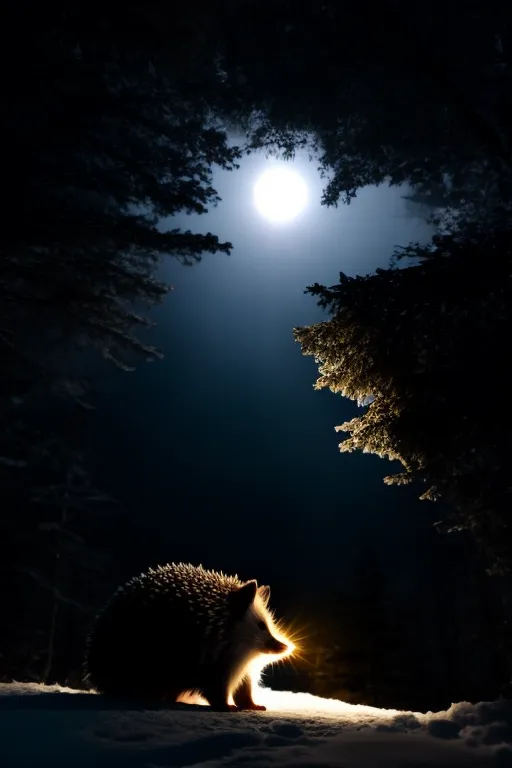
(422, 646)
(113, 121)
(101, 140)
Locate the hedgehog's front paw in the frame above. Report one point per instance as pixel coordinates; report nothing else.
(224, 707)
(250, 705)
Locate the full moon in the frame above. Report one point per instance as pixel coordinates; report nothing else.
(280, 194)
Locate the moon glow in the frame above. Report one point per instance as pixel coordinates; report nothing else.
(280, 194)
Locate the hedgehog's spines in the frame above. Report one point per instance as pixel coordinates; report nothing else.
(175, 617)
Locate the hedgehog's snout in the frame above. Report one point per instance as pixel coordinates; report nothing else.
(275, 646)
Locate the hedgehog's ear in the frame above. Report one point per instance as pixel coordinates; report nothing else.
(243, 597)
(264, 593)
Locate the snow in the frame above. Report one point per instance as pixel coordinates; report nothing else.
(61, 728)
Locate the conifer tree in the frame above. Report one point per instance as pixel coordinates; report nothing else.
(421, 345)
(108, 139)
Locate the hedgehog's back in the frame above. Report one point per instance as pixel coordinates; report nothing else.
(145, 644)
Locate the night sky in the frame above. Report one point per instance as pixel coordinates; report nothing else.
(236, 462)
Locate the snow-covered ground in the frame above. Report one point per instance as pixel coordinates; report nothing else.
(61, 728)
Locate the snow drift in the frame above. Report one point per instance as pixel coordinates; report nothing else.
(59, 728)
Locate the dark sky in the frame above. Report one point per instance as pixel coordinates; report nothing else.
(224, 449)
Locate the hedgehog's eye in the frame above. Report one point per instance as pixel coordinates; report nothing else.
(261, 625)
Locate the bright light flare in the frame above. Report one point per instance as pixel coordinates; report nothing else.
(280, 194)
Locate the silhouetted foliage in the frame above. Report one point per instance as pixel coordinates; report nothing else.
(424, 342)
(355, 663)
(106, 140)
(379, 93)
(419, 644)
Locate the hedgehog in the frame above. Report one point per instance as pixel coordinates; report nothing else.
(180, 628)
